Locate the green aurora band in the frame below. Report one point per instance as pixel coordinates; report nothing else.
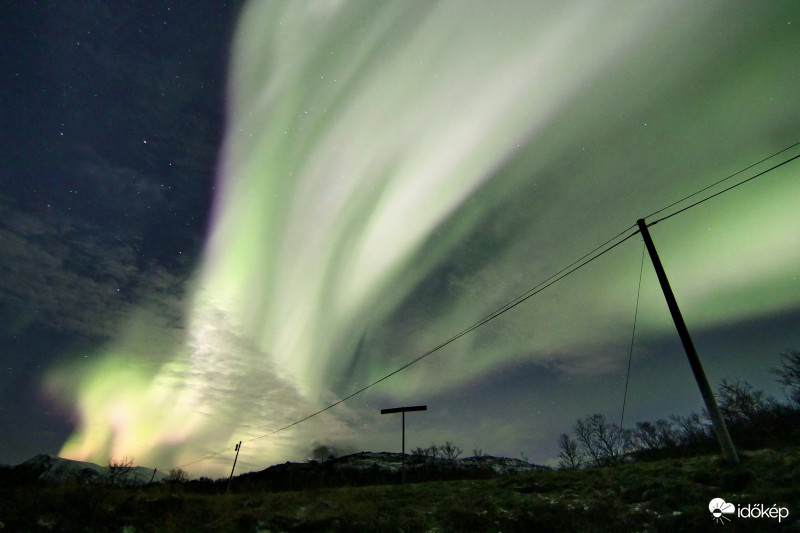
(394, 171)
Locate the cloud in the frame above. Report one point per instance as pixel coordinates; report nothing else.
(153, 390)
(69, 276)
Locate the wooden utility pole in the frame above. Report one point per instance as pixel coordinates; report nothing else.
(717, 422)
(238, 446)
(403, 410)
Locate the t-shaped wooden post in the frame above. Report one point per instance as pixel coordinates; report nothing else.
(403, 410)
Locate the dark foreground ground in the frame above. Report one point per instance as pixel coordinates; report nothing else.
(667, 495)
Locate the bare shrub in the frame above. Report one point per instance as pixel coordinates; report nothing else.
(178, 475)
(693, 433)
(449, 452)
(118, 471)
(437, 455)
(655, 436)
(425, 455)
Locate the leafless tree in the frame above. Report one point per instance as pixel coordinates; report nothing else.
(740, 402)
(789, 375)
(570, 457)
(603, 442)
(691, 430)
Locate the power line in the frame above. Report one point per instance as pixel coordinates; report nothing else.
(722, 180)
(513, 303)
(725, 190)
(533, 291)
(633, 336)
(536, 289)
(558, 276)
(207, 457)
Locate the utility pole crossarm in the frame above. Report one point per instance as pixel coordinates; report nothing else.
(404, 409)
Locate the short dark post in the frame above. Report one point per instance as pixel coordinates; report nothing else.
(724, 438)
(238, 446)
(403, 410)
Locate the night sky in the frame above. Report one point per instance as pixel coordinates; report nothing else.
(210, 230)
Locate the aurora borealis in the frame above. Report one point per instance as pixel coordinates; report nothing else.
(391, 172)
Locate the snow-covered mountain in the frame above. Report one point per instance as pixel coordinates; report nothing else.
(370, 468)
(48, 467)
(392, 462)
